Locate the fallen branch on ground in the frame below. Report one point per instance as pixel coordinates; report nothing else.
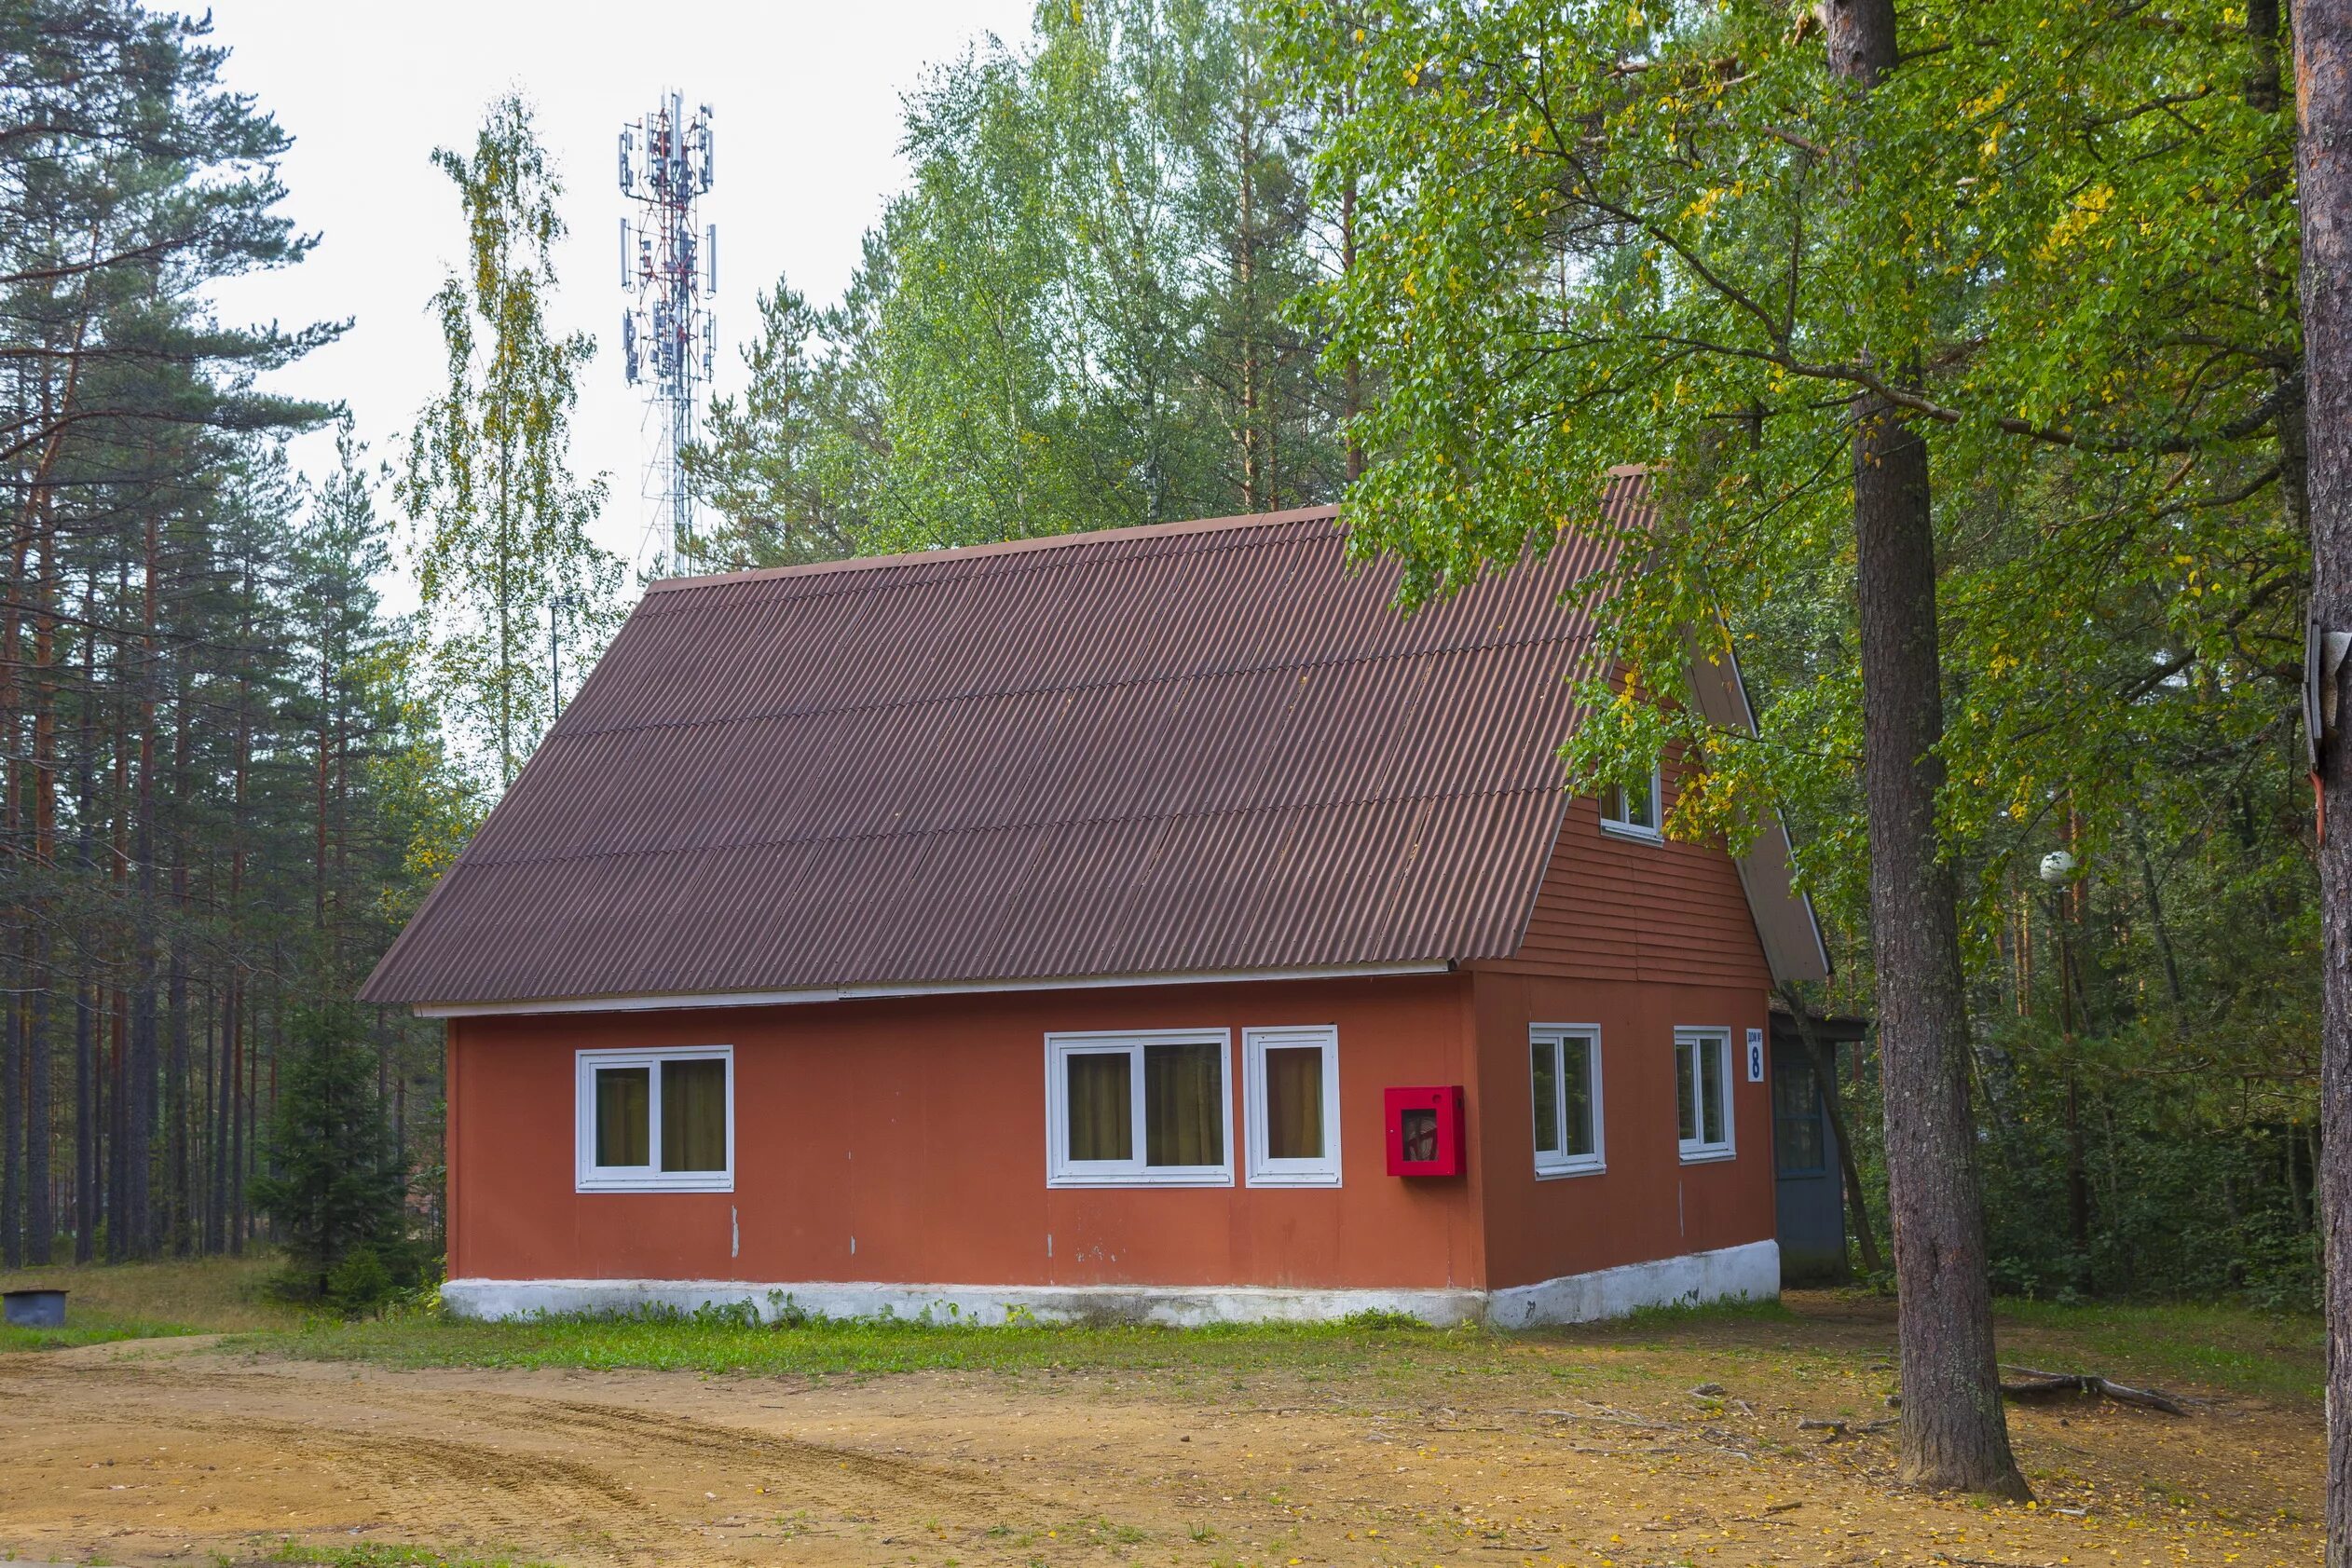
(2030, 1384)
(1839, 1428)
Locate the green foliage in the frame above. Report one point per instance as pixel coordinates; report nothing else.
(1074, 316)
(2063, 241)
(359, 1283)
(335, 1188)
(500, 522)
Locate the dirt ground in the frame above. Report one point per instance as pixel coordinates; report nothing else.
(1588, 1452)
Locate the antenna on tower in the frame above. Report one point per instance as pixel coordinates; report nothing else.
(668, 335)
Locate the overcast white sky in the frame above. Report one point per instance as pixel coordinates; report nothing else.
(806, 104)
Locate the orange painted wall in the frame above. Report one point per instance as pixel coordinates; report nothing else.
(1646, 1203)
(917, 1127)
(1637, 938)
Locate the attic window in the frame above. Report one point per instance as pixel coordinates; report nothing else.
(1139, 1109)
(1632, 811)
(657, 1121)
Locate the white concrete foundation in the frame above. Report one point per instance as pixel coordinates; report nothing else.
(1727, 1273)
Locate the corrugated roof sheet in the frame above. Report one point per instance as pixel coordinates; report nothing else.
(1201, 747)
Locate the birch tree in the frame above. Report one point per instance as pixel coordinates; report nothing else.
(500, 522)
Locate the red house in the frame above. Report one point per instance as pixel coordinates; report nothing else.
(1146, 924)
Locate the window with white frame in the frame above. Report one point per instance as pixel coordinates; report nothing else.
(1565, 1063)
(657, 1121)
(1633, 810)
(1292, 1098)
(1139, 1109)
(1703, 1092)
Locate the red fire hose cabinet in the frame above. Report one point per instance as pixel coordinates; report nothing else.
(1424, 1130)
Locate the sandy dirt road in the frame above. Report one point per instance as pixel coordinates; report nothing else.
(174, 1452)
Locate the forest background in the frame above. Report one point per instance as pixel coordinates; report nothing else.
(1128, 281)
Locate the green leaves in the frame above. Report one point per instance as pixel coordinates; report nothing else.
(499, 524)
(2062, 239)
(1076, 316)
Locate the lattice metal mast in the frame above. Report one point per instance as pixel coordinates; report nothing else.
(669, 267)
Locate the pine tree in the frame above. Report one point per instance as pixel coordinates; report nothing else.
(335, 1184)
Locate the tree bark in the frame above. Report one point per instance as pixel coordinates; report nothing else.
(2323, 163)
(12, 1114)
(1955, 1434)
(85, 1128)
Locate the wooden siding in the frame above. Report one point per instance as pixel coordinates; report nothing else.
(1617, 908)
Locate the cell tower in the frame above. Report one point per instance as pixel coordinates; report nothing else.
(668, 337)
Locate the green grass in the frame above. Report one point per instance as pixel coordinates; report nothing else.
(108, 1301)
(2230, 1348)
(89, 1327)
(2274, 1356)
(1687, 1316)
(379, 1554)
(714, 1344)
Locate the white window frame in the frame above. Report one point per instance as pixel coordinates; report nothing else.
(1264, 1169)
(1062, 1171)
(1558, 1163)
(1623, 827)
(1698, 1150)
(591, 1177)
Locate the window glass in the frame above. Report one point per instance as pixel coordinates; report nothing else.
(1102, 1112)
(694, 1114)
(1687, 1090)
(1547, 1074)
(1183, 1105)
(1797, 1144)
(1294, 1102)
(1710, 1054)
(1702, 1093)
(1565, 1063)
(1633, 804)
(653, 1120)
(1132, 1109)
(624, 1129)
(1575, 1077)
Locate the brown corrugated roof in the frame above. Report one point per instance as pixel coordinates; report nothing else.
(1197, 747)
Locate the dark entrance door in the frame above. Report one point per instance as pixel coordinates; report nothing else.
(1811, 1196)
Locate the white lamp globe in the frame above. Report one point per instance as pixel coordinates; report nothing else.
(2057, 866)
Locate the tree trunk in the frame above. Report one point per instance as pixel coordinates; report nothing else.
(40, 1218)
(176, 1075)
(40, 1215)
(85, 1128)
(1955, 1434)
(2323, 161)
(11, 1117)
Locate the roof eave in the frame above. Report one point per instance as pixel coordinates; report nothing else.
(808, 996)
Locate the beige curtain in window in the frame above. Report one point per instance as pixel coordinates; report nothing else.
(1183, 1105)
(624, 1130)
(1101, 1088)
(1294, 1102)
(694, 1114)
